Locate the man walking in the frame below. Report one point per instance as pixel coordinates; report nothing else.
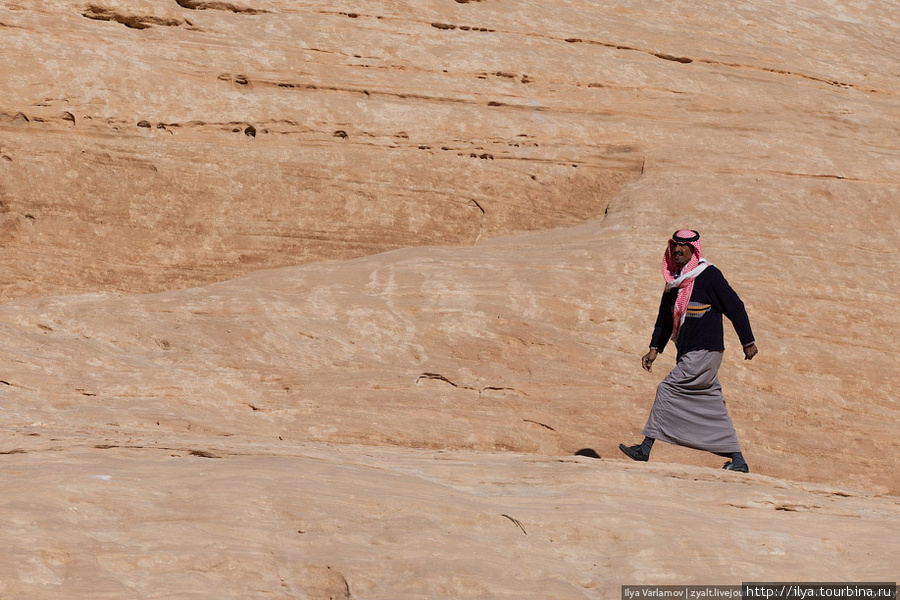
(689, 409)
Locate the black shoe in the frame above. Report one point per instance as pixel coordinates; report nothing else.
(634, 452)
(729, 466)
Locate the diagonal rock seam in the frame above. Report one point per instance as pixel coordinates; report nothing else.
(98, 13)
(144, 22)
(515, 522)
(439, 377)
(717, 63)
(224, 6)
(475, 203)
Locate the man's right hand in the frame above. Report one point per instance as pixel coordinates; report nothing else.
(647, 360)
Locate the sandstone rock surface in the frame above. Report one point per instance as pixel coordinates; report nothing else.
(319, 300)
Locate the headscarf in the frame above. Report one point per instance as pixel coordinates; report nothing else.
(682, 278)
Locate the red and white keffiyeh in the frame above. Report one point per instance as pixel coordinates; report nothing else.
(682, 278)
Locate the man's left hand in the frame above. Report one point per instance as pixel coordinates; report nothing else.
(750, 351)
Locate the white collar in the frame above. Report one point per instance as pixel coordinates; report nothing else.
(701, 266)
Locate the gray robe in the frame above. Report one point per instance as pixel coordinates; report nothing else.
(689, 409)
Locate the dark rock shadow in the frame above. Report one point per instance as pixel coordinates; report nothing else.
(589, 452)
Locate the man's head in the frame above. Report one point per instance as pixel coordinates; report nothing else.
(681, 253)
(684, 249)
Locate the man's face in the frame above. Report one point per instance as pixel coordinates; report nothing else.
(681, 253)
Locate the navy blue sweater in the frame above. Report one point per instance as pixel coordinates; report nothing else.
(711, 298)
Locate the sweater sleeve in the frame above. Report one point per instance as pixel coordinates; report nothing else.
(730, 305)
(662, 331)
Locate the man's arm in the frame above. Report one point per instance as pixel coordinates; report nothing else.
(647, 359)
(732, 307)
(750, 351)
(662, 330)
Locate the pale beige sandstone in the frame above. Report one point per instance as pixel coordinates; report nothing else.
(264, 520)
(132, 144)
(395, 406)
